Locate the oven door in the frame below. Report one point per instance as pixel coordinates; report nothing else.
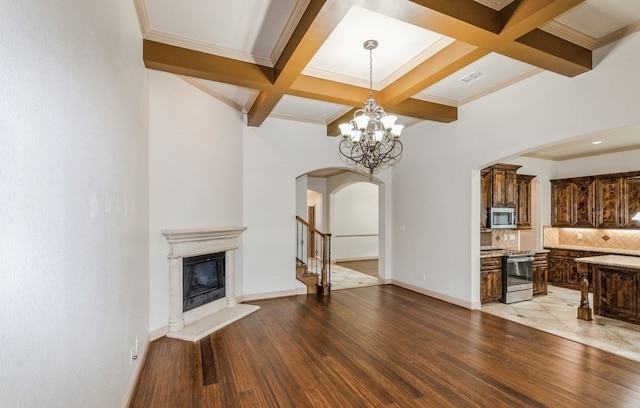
(517, 278)
(519, 273)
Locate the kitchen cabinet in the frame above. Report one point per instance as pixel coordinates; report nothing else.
(563, 203)
(485, 196)
(499, 187)
(604, 201)
(573, 203)
(616, 286)
(523, 202)
(609, 202)
(585, 205)
(631, 188)
(617, 293)
(503, 185)
(490, 279)
(540, 274)
(563, 270)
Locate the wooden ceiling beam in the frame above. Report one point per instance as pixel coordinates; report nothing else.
(520, 19)
(414, 108)
(318, 21)
(329, 91)
(196, 64)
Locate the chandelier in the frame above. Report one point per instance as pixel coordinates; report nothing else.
(371, 140)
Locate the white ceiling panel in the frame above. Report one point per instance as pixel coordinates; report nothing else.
(497, 71)
(308, 109)
(597, 18)
(343, 58)
(250, 27)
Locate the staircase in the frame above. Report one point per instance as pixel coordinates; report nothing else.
(313, 258)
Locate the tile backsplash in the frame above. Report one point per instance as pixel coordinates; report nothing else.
(504, 239)
(591, 237)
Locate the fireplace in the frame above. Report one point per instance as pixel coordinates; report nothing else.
(202, 281)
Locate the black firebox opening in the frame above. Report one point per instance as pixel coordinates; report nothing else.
(202, 279)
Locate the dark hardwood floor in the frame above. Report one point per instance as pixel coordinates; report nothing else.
(381, 346)
(368, 266)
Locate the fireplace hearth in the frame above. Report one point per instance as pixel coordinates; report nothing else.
(202, 267)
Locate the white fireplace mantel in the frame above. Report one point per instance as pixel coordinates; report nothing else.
(185, 243)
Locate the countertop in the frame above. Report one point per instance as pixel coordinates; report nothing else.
(613, 260)
(597, 249)
(484, 253)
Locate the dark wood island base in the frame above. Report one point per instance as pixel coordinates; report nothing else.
(584, 310)
(616, 287)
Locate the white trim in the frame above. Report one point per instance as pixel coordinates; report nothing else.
(139, 363)
(437, 295)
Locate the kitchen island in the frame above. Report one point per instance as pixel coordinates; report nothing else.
(616, 287)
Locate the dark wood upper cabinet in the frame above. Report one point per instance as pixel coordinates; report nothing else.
(523, 207)
(609, 202)
(605, 201)
(631, 188)
(501, 186)
(585, 203)
(563, 203)
(485, 196)
(504, 188)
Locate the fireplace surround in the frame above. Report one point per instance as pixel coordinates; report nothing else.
(203, 320)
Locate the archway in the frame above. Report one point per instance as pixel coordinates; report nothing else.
(350, 206)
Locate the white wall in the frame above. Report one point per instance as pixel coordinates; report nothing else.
(195, 171)
(274, 155)
(73, 203)
(354, 222)
(604, 164)
(432, 187)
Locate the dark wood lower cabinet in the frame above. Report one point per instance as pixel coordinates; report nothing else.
(563, 270)
(616, 292)
(540, 274)
(490, 279)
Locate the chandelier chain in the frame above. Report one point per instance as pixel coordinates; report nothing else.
(370, 72)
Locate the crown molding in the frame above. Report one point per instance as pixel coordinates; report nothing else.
(149, 34)
(567, 33)
(619, 34)
(287, 31)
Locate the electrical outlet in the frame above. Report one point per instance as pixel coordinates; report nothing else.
(424, 276)
(137, 345)
(579, 236)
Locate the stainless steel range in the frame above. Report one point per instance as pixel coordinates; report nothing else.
(517, 277)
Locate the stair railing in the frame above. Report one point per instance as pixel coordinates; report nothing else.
(313, 249)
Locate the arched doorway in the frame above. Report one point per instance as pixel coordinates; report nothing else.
(350, 206)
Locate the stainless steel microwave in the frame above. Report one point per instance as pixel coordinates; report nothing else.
(500, 217)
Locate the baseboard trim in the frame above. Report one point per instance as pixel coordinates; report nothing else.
(440, 296)
(271, 295)
(140, 362)
(359, 258)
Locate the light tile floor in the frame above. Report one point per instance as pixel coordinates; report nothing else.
(344, 278)
(556, 313)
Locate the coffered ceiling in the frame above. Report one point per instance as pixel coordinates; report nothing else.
(304, 59)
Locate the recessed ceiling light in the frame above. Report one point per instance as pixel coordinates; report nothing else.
(597, 142)
(473, 76)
